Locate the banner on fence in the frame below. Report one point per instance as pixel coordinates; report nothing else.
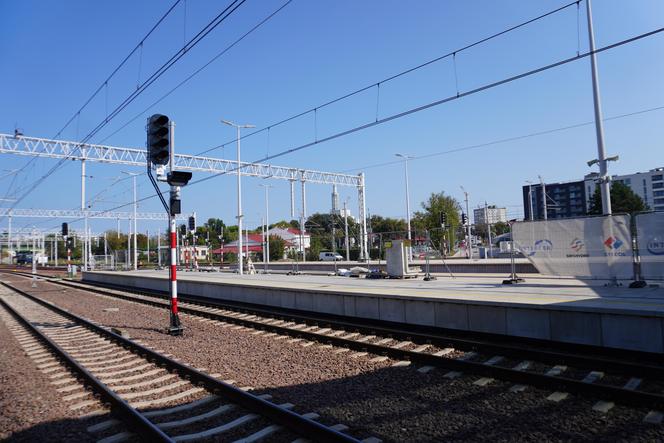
(650, 241)
(591, 247)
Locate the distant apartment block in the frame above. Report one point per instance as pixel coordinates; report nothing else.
(493, 214)
(563, 200)
(573, 199)
(647, 185)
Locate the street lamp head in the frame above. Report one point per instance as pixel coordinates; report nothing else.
(248, 126)
(592, 162)
(229, 123)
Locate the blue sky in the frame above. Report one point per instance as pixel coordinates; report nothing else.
(57, 53)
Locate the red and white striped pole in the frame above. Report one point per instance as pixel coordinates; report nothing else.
(68, 256)
(175, 328)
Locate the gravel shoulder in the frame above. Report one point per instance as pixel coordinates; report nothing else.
(372, 398)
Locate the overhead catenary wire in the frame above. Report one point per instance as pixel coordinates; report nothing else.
(400, 74)
(104, 84)
(226, 12)
(503, 140)
(449, 99)
(196, 72)
(138, 46)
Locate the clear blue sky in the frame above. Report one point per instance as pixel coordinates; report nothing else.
(56, 53)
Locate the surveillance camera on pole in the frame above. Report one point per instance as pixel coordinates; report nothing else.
(160, 146)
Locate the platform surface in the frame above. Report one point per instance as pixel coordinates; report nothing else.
(550, 308)
(542, 291)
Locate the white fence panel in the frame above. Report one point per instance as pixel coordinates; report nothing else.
(650, 241)
(590, 247)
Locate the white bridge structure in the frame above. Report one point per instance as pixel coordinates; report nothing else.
(61, 149)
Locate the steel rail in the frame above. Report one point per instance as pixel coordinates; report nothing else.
(136, 421)
(618, 394)
(284, 417)
(637, 367)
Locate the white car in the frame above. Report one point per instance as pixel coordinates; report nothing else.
(329, 256)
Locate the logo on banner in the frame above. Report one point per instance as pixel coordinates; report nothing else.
(656, 246)
(577, 246)
(540, 245)
(613, 244)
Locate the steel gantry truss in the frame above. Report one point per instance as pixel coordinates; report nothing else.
(59, 149)
(41, 147)
(77, 213)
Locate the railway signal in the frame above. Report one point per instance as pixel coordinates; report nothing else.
(192, 223)
(159, 140)
(443, 219)
(464, 219)
(65, 230)
(160, 149)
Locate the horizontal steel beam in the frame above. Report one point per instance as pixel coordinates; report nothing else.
(41, 147)
(77, 213)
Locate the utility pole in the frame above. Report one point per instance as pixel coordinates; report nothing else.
(530, 200)
(469, 246)
(34, 259)
(544, 208)
(405, 163)
(9, 238)
(346, 242)
(488, 228)
(129, 245)
(159, 247)
(56, 249)
(604, 185)
(266, 256)
(85, 227)
(133, 176)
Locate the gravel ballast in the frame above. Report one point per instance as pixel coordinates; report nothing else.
(372, 398)
(31, 409)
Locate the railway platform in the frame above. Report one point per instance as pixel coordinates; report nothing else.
(549, 308)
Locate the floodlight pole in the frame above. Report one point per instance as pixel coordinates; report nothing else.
(240, 261)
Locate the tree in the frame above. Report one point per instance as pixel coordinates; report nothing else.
(501, 228)
(623, 200)
(429, 218)
(277, 246)
(387, 225)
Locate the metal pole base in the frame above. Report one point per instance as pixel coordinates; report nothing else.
(638, 284)
(175, 328)
(513, 280)
(429, 278)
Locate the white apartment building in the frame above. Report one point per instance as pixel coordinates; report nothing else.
(647, 185)
(493, 214)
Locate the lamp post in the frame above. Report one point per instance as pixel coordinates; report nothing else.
(604, 186)
(266, 259)
(530, 200)
(239, 194)
(133, 176)
(405, 162)
(469, 246)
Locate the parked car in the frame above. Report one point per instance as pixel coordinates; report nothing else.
(329, 256)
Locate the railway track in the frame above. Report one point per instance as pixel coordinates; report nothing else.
(629, 381)
(151, 395)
